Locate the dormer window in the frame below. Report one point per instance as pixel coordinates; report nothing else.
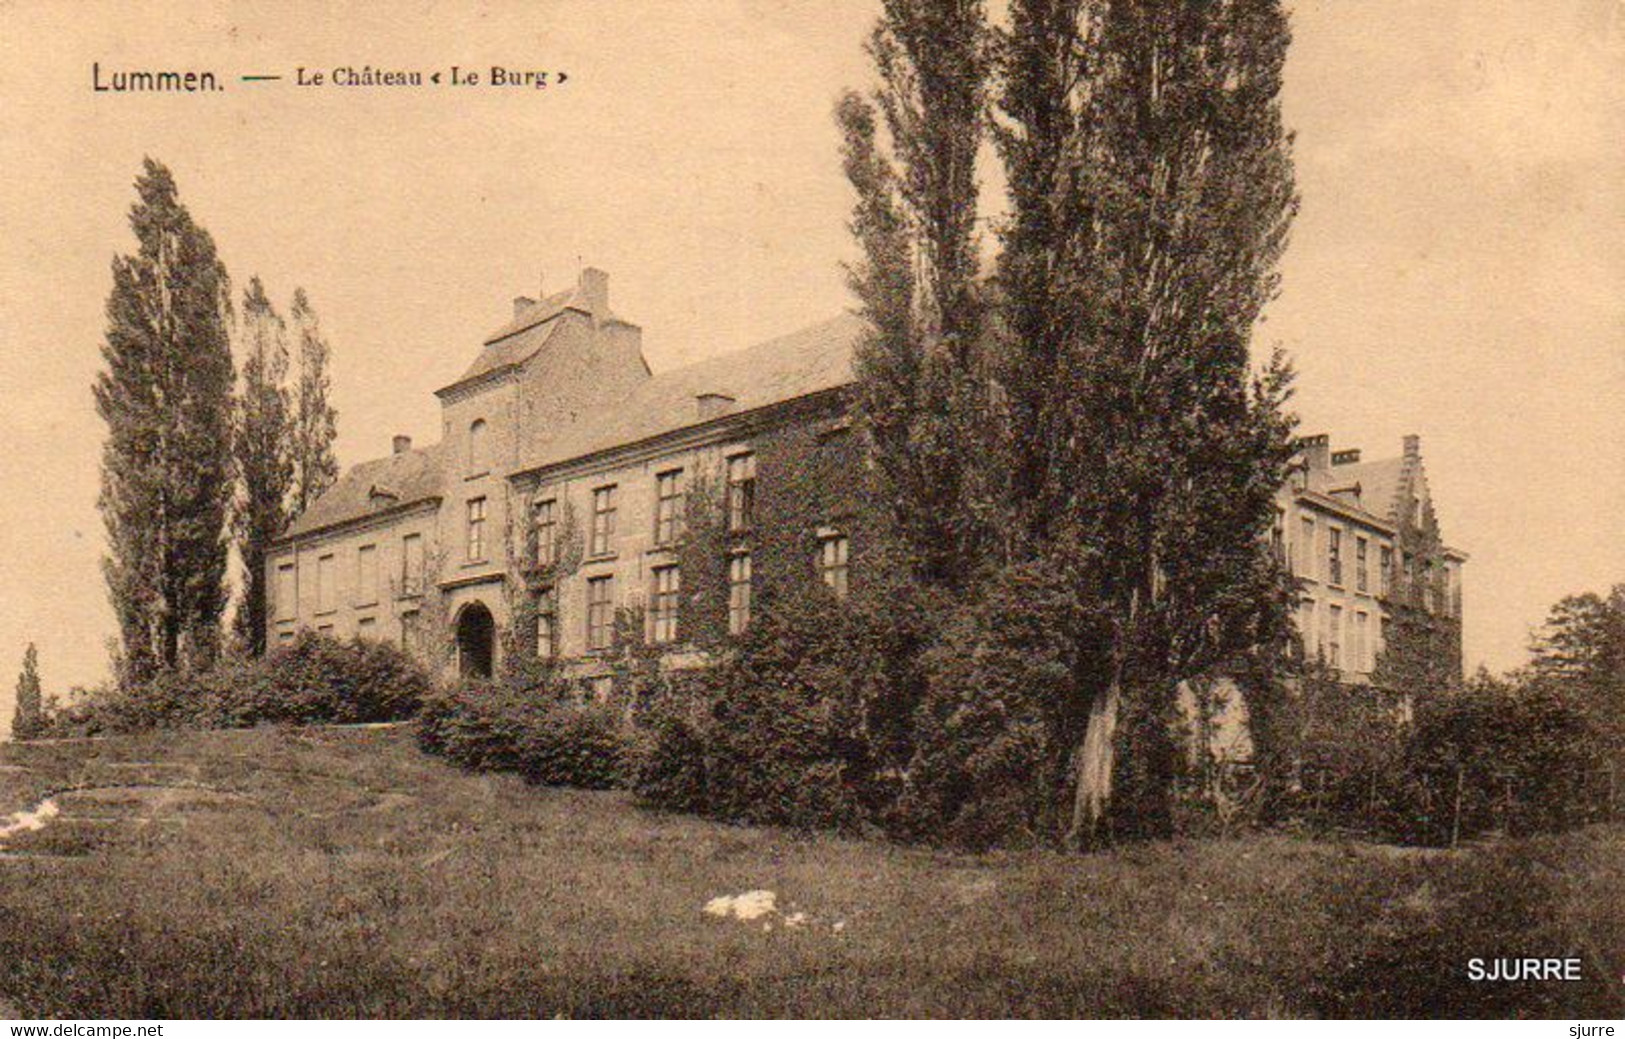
(478, 462)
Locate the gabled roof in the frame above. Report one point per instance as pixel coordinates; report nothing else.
(1379, 483)
(814, 359)
(368, 488)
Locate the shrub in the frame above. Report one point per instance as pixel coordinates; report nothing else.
(538, 733)
(784, 735)
(990, 741)
(670, 769)
(1522, 756)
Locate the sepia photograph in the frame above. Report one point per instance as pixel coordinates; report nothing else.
(811, 510)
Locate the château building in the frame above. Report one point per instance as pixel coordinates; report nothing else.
(558, 505)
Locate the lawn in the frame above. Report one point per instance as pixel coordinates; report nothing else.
(340, 873)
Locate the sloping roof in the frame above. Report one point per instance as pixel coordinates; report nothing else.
(536, 313)
(1379, 482)
(372, 487)
(815, 358)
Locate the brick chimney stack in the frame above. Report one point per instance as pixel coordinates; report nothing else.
(522, 304)
(1413, 447)
(1317, 450)
(402, 443)
(595, 292)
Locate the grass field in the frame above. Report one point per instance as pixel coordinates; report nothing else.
(340, 873)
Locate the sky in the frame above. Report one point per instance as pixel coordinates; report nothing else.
(1456, 270)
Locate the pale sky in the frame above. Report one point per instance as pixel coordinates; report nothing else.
(1456, 271)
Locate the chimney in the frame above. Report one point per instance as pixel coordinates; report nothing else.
(712, 405)
(522, 304)
(1317, 450)
(1349, 457)
(595, 292)
(1413, 447)
(402, 443)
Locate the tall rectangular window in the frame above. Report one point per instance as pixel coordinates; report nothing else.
(1362, 572)
(547, 624)
(832, 565)
(738, 593)
(409, 630)
(603, 520)
(1306, 546)
(1385, 570)
(663, 607)
(1334, 636)
(547, 532)
(741, 492)
(1306, 626)
(1358, 643)
(600, 612)
(669, 507)
(412, 564)
(476, 529)
(287, 592)
(366, 575)
(327, 586)
(1334, 556)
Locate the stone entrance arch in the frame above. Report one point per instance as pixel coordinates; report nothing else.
(476, 641)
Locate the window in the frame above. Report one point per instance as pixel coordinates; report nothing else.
(325, 629)
(663, 612)
(412, 564)
(1334, 556)
(603, 519)
(409, 630)
(1334, 636)
(547, 532)
(600, 611)
(284, 636)
(327, 590)
(741, 492)
(1306, 545)
(1278, 535)
(478, 462)
(832, 567)
(476, 529)
(547, 624)
(367, 628)
(1385, 570)
(287, 592)
(1362, 576)
(1357, 647)
(669, 507)
(366, 575)
(1306, 626)
(739, 593)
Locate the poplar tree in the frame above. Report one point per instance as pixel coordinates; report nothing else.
(263, 444)
(315, 421)
(1151, 191)
(27, 717)
(922, 390)
(165, 395)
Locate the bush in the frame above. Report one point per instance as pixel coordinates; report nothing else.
(313, 680)
(670, 770)
(990, 750)
(1523, 757)
(538, 733)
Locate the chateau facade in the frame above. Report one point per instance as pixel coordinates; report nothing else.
(554, 510)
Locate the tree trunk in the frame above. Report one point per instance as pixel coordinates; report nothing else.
(1096, 761)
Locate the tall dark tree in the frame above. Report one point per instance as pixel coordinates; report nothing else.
(1151, 191)
(28, 716)
(263, 444)
(315, 421)
(923, 387)
(1581, 652)
(165, 395)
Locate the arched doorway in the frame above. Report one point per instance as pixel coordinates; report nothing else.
(476, 641)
